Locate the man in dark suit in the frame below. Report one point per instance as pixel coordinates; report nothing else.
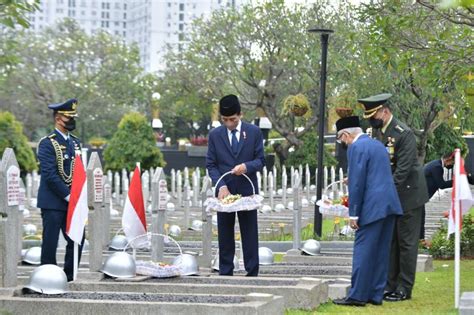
(56, 154)
(400, 143)
(238, 147)
(373, 208)
(438, 174)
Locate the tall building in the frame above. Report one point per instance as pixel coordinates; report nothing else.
(153, 25)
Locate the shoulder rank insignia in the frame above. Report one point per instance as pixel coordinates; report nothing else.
(400, 129)
(51, 136)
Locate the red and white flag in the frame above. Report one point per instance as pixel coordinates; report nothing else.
(133, 219)
(461, 197)
(78, 210)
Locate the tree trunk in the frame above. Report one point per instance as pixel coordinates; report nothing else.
(281, 150)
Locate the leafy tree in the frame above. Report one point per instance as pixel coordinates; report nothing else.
(308, 153)
(263, 53)
(62, 62)
(11, 136)
(133, 142)
(426, 58)
(14, 12)
(444, 140)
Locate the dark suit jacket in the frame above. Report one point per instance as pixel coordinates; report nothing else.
(220, 158)
(53, 189)
(434, 177)
(400, 142)
(372, 192)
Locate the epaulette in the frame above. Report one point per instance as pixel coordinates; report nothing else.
(75, 137)
(400, 129)
(51, 136)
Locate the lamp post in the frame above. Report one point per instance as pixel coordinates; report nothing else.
(156, 122)
(318, 218)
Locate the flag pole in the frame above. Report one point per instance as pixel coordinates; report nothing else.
(76, 260)
(457, 232)
(140, 173)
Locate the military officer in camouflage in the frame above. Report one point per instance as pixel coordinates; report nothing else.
(56, 154)
(409, 179)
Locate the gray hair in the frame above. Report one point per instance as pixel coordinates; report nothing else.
(352, 130)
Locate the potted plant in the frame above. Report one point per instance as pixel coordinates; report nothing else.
(297, 105)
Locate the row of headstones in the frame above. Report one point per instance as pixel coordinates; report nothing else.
(183, 186)
(99, 198)
(12, 198)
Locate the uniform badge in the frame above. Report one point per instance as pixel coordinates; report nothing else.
(390, 148)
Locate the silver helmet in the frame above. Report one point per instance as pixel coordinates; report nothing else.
(311, 247)
(33, 256)
(29, 229)
(215, 263)
(119, 265)
(266, 209)
(279, 207)
(187, 264)
(304, 202)
(170, 206)
(175, 231)
(196, 225)
(118, 242)
(265, 256)
(48, 279)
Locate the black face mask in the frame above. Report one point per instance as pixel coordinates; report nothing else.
(70, 125)
(376, 123)
(449, 167)
(344, 145)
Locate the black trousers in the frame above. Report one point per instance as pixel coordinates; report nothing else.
(249, 236)
(404, 251)
(53, 222)
(422, 226)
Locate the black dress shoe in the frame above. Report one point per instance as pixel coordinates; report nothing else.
(375, 302)
(348, 302)
(397, 296)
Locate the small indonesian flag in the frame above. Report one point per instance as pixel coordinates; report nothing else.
(461, 197)
(78, 210)
(133, 219)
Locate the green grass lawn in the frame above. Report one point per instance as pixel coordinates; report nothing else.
(433, 294)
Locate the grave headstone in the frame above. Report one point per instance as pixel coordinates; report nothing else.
(9, 216)
(96, 221)
(158, 213)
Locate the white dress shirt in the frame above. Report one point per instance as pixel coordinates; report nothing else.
(237, 134)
